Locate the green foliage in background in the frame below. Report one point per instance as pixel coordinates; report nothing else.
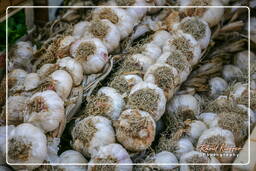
(16, 29)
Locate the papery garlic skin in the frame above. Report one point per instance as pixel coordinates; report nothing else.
(115, 152)
(45, 110)
(158, 110)
(211, 15)
(159, 73)
(117, 16)
(16, 109)
(198, 157)
(196, 129)
(198, 28)
(34, 139)
(152, 51)
(94, 61)
(227, 138)
(73, 67)
(16, 79)
(165, 157)
(185, 105)
(71, 156)
(231, 72)
(160, 37)
(186, 44)
(131, 134)
(217, 86)
(80, 28)
(116, 100)
(62, 83)
(177, 60)
(91, 133)
(32, 80)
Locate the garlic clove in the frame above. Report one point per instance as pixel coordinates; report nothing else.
(45, 110)
(218, 86)
(147, 97)
(231, 72)
(108, 102)
(112, 154)
(185, 44)
(164, 76)
(73, 67)
(91, 53)
(135, 129)
(91, 133)
(32, 81)
(26, 144)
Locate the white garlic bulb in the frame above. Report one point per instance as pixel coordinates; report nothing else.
(91, 133)
(242, 58)
(186, 44)
(31, 81)
(185, 106)
(147, 97)
(164, 76)
(151, 50)
(16, 79)
(117, 16)
(106, 31)
(124, 83)
(164, 158)
(91, 53)
(195, 130)
(16, 109)
(45, 110)
(46, 69)
(239, 90)
(210, 119)
(198, 157)
(183, 146)
(231, 72)
(160, 37)
(108, 102)
(144, 61)
(80, 28)
(135, 129)
(211, 15)
(113, 154)
(63, 46)
(62, 83)
(217, 137)
(73, 67)
(71, 156)
(196, 27)
(217, 85)
(178, 61)
(26, 144)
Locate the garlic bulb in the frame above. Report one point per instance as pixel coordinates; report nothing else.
(196, 27)
(71, 156)
(210, 119)
(63, 46)
(195, 130)
(147, 97)
(106, 31)
(135, 129)
(117, 16)
(164, 76)
(73, 67)
(91, 133)
(124, 83)
(108, 102)
(45, 110)
(26, 144)
(151, 50)
(231, 72)
(247, 111)
(198, 157)
(241, 60)
(62, 83)
(80, 28)
(16, 79)
(113, 154)
(217, 86)
(185, 44)
(16, 109)
(239, 90)
(46, 69)
(178, 61)
(160, 37)
(218, 138)
(185, 106)
(211, 15)
(164, 158)
(91, 53)
(3, 137)
(32, 81)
